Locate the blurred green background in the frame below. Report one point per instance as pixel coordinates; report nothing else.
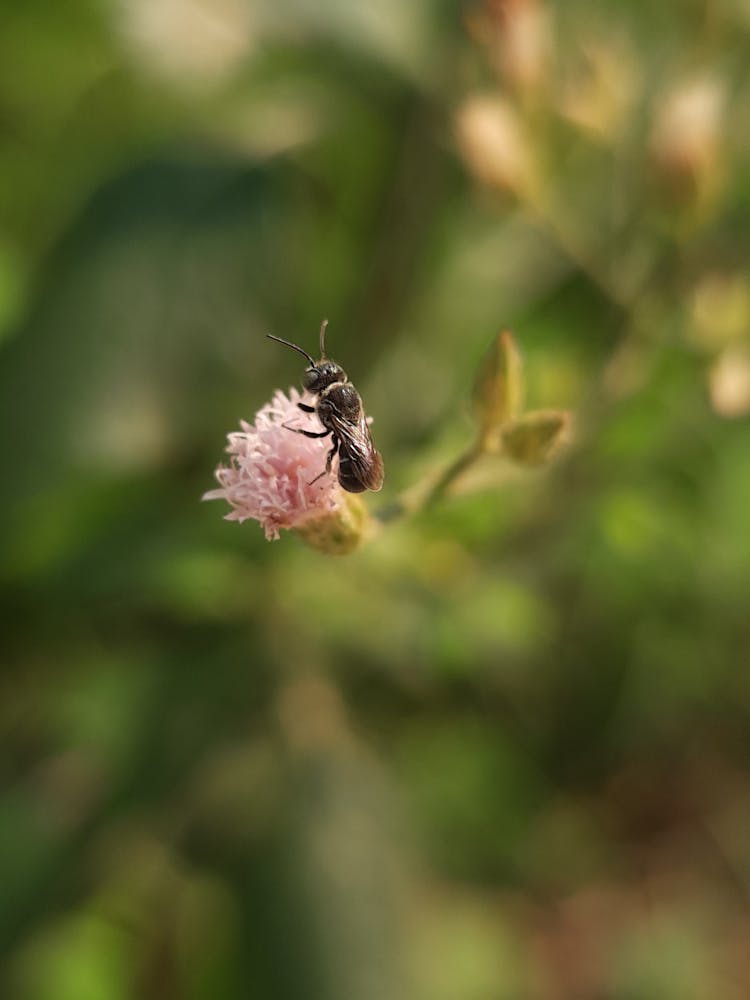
(503, 750)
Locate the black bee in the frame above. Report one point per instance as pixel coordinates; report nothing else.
(340, 411)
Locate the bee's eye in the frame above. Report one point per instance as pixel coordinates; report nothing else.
(310, 378)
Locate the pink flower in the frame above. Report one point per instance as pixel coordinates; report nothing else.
(270, 471)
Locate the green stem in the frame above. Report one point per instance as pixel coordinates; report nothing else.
(423, 496)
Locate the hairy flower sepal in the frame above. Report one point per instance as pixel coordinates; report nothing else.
(273, 477)
(340, 532)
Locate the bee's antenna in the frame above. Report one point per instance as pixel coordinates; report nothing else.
(293, 347)
(323, 326)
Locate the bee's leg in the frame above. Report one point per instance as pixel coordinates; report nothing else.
(329, 459)
(331, 453)
(308, 434)
(305, 408)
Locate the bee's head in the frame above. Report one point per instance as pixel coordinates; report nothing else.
(319, 376)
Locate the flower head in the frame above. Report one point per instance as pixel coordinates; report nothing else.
(270, 476)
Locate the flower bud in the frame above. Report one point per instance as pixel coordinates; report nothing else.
(729, 383)
(516, 35)
(193, 43)
(535, 437)
(600, 96)
(498, 388)
(686, 139)
(492, 142)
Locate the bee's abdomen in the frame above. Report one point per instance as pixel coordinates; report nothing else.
(348, 479)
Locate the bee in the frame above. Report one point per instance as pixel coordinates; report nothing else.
(340, 411)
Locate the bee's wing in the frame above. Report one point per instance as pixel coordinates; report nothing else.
(358, 457)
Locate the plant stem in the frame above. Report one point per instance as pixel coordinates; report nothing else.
(423, 496)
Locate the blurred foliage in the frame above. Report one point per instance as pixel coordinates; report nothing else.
(503, 750)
